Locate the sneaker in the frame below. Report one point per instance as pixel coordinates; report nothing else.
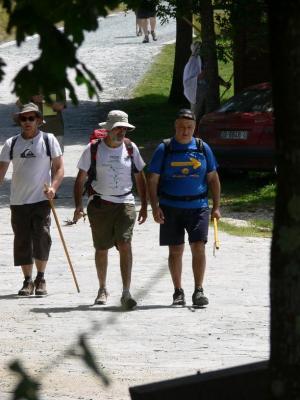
(146, 39)
(128, 303)
(40, 287)
(178, 298)
(199, 300)
(27, 289)
(154, 37)
(101, 296)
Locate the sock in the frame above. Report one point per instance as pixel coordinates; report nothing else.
(40, 275)
(27, 278)
(126, 292)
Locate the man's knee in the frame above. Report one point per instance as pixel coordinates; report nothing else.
(198, 247)
(176, 250)
(124, 246)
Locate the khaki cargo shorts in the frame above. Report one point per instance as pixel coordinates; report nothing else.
(110, 222)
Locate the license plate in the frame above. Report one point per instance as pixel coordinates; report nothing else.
(241, 135)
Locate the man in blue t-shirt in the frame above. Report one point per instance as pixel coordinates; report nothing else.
(181, 172)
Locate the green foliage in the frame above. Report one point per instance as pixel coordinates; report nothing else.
(254, 229)
(58, 48)
(258, 190)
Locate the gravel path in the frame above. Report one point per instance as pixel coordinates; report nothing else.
(156, 341)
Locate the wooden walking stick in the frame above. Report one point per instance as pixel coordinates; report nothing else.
(216, 236)
(63, 241)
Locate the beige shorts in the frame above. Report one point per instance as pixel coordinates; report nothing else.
(110, 222)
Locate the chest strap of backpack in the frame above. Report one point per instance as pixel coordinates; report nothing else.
(184, 198)
(46, 141)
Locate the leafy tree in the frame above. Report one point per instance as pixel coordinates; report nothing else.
(184, 33)
(208, 37)
(245, 24)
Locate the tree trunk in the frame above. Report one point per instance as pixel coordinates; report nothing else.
(209, 54)
(285, 252)
(251, 56)
(184, 36)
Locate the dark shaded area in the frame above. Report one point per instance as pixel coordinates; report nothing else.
(246, 382)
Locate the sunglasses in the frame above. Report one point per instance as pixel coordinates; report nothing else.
(24, 119)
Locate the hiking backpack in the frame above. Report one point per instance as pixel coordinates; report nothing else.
(200, 148)
(46, 141)
(95, 139)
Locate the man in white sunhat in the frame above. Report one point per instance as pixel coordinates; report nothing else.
(37, 160)
(105, 169)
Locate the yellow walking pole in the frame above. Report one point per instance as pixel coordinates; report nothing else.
(63, 242)
(216, 236)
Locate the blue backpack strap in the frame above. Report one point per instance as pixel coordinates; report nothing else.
(13, 142)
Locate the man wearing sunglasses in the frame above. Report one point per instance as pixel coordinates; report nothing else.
(37, 160)
(111, 205)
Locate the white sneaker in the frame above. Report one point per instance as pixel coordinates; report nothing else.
(101, 296)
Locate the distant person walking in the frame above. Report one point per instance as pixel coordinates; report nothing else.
(195, 82)
(181, 171)
(146, 12)
(109, 164)
(37, 159)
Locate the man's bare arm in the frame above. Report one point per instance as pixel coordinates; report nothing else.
(78, 190)
(153, 181)
(215, 188)
(3, 169)
(142, 192)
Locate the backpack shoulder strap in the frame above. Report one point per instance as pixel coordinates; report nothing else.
(94, 147)
(167, 143)
(46, 140)
(13, 142)
(199, 144)
(92, 172)
(167, 149)
(129, 148)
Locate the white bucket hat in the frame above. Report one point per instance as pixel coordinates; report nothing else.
(116, 118)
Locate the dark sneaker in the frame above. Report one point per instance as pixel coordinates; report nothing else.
(146, 39)
(199, 300)
(40, 287)
(154, 37)
(27, 289)
(128, 303)
(101, 296)
(178, 298)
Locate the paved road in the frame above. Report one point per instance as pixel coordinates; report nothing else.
(156, 341)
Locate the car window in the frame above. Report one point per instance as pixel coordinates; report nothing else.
(252, 100)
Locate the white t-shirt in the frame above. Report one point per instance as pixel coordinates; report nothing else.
(113, 166)
(31, 167)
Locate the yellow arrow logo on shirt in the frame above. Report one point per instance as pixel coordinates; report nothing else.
(192, 163)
